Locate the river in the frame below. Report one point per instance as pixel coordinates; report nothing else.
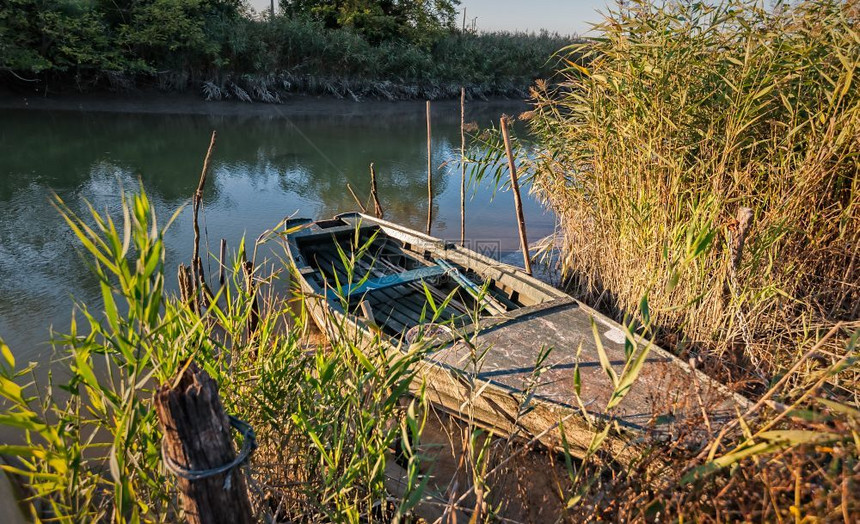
(267, 164)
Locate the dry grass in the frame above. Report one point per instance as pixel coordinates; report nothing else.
(681, 116)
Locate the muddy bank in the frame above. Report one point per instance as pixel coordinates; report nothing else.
(154, 102)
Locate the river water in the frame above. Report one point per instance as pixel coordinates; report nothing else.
(266, 166)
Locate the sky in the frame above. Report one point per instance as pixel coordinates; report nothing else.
(562, 16)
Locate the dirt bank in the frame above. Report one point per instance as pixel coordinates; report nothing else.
(154, 102)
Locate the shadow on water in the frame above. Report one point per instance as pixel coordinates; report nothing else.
(265, 167)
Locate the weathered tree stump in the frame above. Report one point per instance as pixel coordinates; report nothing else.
(197, 440)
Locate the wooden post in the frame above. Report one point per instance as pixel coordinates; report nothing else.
(463, 159)
(377, 208)
(222, 254)
(196, 263)
(197, 437)
(429, 175)
(515, 187)
(745, 216)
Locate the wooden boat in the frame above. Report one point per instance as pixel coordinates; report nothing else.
(536, 346)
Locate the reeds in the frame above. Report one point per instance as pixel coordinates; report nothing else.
(326, 416)
(678, 117)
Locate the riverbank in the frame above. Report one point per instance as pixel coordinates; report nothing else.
(160, 103)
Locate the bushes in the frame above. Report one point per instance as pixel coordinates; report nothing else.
(685, 114)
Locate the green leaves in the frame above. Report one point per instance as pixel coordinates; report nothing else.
(601, 355)
(634, 361)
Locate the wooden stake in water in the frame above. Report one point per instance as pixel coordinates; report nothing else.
(251, 288)
(429, 174)
(377, 207)
(196, 263)
(222, 254)
(515, 187)
(463, 159)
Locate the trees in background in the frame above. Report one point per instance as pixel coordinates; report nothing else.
(78, 36)
(380, 20)
(339, 47)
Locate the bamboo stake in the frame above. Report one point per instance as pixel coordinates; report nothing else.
(463, 159)
(429, 175)
(377, 208)
(515, 186)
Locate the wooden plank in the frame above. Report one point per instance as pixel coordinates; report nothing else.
(664, 397)
(392, 280)
(492, 305)
(387, 315)
(311, 235)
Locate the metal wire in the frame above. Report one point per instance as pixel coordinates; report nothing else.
(249, 444)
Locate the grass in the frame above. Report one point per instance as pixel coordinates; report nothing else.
(683, 115)
(339, 438)
(326, 417)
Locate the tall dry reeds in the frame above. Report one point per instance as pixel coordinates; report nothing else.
(679, 116)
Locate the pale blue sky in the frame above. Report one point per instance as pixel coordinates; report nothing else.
(563, 16)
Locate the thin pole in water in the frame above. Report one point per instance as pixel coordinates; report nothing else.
(357, 201)
(515, 186)
(222, 255)
(429, 174)
(199, 281)
(377, 207)
(463, 163)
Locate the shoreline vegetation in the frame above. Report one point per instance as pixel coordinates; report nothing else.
(222, 50)
(703, 162)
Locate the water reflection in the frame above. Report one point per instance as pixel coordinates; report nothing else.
(264, 168)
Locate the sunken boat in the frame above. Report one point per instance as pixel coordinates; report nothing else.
(502, 348)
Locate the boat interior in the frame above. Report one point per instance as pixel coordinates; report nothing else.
(396, 284)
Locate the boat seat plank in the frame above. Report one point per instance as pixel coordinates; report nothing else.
(311, 235)
(392, 280)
